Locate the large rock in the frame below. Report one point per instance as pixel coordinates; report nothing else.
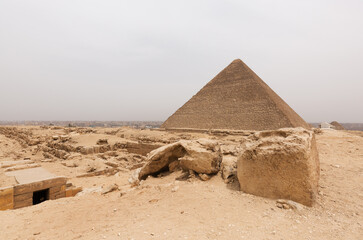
(229, 167)
(281, 163)
(201, 156)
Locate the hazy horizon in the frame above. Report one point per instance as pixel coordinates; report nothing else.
(141, 61)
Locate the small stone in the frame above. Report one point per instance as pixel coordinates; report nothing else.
(174, 189)
(288, 204)
(102, 141)
(122, 194)
(110, 188)
(204, 177)
(134, 178)
(279, 205)
(285, 206)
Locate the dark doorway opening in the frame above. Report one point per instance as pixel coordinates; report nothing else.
(40, 196)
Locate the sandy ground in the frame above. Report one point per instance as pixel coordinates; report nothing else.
(163, 208)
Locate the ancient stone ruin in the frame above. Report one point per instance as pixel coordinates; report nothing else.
(235, 99)
(35, 185)
(277, 164)
(280, 164)
(277, 159)
(202, 156)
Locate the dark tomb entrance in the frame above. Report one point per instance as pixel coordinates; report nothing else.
(40, 196)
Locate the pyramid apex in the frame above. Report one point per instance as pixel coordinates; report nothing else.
(236, 60)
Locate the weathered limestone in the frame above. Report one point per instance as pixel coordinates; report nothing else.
(110, 188)
(201, 156)
(141, 148)
(30, 182)
(21, 167)
(160, 159)
(23, 193)
(131, 147)
(7, 164)
(281, 163)
(6, 198)
(107, 171)
(36, 186)
(72, 191)
(229, 167)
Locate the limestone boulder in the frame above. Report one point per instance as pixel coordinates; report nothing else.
(230, 148)
(229, 167)
(159, 159)
(280, 164)
(201, 156)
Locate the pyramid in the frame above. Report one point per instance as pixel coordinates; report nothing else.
(337, 126)
(235, 99)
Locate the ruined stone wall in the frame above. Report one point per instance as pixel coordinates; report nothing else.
(6, 198)
(21, 195)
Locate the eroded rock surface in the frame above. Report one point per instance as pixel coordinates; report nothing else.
(229, 167)
(281, 163)
(202, 156)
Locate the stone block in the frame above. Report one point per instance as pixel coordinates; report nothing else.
(36, 186)
(281, 164)
(23, 197)
(57, 195)
(6, 198)
(24, 203)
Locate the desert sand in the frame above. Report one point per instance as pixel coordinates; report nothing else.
(169, 206)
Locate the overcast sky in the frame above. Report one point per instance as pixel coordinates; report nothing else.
(142, 60)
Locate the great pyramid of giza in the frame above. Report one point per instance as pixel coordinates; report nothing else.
(235, 99)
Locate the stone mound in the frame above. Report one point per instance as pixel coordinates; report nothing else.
(281, 164)
(235, 99)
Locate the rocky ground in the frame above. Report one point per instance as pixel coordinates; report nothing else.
(171, 206)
